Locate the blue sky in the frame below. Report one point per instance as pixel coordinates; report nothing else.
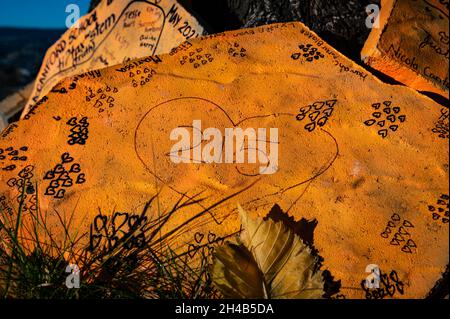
(46, 14)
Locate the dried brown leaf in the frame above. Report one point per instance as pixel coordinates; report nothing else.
(269, 262)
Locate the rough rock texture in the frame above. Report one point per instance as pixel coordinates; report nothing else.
(366, 160)
(341, 23)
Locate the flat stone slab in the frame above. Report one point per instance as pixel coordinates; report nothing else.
(367, 160)
(114, 32)
(412, 44)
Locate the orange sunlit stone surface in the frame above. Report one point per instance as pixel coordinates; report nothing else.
(368, 161)
(412, 44)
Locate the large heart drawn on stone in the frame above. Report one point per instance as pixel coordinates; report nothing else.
(303, 155)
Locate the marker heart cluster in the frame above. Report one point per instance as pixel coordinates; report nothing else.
(63, 176)
(402, 235)
(196, 58)
(386, 117)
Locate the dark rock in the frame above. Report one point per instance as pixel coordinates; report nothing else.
(340, 22)
(93, 4)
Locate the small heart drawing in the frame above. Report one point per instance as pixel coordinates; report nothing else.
(49, 175)
(60, 194)
(66, 158)
(402, 231)
(100, 222)
(211, 237)
(192, 250)
(75, 168)
(67, 183)
(408, 224)
(310, 127)
(383, 133)
(50, 191)
(72, 121)
(81, 178)
(407, 250)
(199, 237)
